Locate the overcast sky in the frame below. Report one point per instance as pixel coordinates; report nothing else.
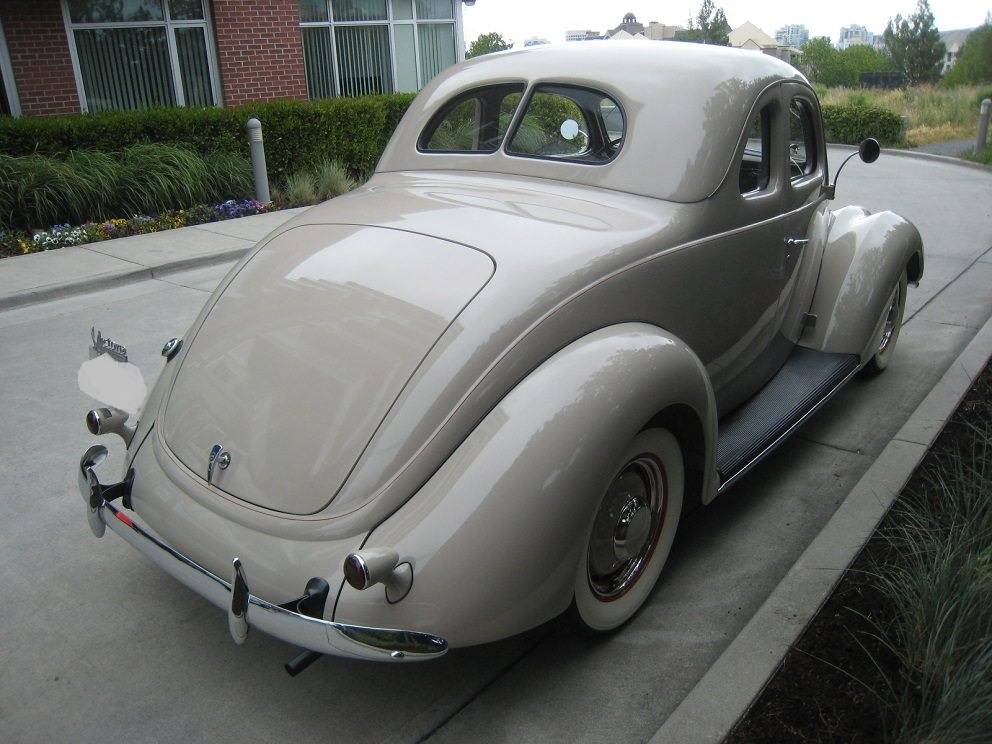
(518, 20)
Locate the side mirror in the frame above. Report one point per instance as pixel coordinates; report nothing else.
(869, 150)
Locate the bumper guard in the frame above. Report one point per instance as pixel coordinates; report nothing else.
(244, 609)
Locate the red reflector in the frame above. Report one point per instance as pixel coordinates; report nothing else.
(124, 518)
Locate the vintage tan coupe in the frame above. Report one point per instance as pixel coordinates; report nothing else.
(587, 288)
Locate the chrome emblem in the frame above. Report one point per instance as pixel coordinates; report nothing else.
(220, 458)
(106, 345)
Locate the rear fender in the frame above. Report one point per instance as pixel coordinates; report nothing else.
(495, 536)
(864, 257)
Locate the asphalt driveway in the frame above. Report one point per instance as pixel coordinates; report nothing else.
(98, 645)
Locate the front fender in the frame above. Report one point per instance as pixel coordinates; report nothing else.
(495, 536)
(864, 256)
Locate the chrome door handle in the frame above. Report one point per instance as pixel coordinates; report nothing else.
(796, 242)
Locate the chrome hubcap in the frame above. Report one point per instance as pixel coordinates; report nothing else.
(891, 318)
(626, 528)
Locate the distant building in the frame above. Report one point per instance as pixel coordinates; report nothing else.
(851, 35)
(629, 24)
(585, 35)
(749, 36)
(535, 41)
(953, 41)
(660, 31)
(792, 35)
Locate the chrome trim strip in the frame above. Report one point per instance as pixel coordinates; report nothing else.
(322, 636)
(784, 435)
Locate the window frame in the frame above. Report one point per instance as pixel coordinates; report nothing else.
(434, 123)
(766, 182)
(170, 26)
(7, 72)
(415, 21)
(812, 164)
(525, 104)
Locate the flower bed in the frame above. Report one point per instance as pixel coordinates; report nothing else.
(13, 243)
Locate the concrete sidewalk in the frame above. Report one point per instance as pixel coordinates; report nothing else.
(38, 277)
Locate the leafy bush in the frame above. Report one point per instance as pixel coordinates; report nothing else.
(851, 124)
(298, 134)
(934, 113)
(37, 191)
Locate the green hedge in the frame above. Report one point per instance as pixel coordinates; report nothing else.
(298, 134)
(851, 124)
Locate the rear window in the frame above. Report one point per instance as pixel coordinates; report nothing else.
(567, 123)
(474, 122)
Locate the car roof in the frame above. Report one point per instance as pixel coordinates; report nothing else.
(686, 105)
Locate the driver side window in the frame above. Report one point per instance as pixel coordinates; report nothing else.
(755, 170)
(802, 146)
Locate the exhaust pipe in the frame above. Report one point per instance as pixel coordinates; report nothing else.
(109, 421)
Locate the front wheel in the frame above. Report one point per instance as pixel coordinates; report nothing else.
(632, 532)
(890, 322)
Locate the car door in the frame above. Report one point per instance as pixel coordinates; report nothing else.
(806, 213)
(755, 265)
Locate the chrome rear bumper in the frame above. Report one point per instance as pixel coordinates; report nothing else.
(244, 609)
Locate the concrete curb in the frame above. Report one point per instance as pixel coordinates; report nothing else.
(113, 279)
(725, 693)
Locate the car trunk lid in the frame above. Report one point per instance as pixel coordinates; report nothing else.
(305, 351)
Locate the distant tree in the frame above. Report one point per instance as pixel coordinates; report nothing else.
(974, 66)
(710, 26)
(825, 64)
(914, 45)
(487, 44)
(860, 58)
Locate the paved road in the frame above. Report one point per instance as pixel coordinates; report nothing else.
(950, 148)
(98, 645)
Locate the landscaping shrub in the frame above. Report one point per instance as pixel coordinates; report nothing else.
(228, 176)
(983, 156)
(331, 179)
(300, 190)
(37, 191)
(156, 178)
(933, 113)
(851, 124)
(298, 134)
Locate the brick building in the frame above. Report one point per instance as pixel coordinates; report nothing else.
(68, 56)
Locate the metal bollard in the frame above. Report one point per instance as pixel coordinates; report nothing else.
(254, 129)
(983, 125)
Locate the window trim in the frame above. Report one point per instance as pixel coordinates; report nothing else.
(765, 111)
(454, 102)
(812, 155)
(170, 25)
(7, 71)
(525, 104)
(455, 20)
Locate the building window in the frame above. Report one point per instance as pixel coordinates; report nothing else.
(133, 54)
(9, 105)
(359, 47)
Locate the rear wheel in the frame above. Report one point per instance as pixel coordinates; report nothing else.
(891, 322)
(632, 532)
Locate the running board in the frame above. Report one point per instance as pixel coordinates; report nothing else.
(805, 382)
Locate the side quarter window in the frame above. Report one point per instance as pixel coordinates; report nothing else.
(755, 168)
(802, 142)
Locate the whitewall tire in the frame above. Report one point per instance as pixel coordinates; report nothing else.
(889, 326)
(631, 534)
